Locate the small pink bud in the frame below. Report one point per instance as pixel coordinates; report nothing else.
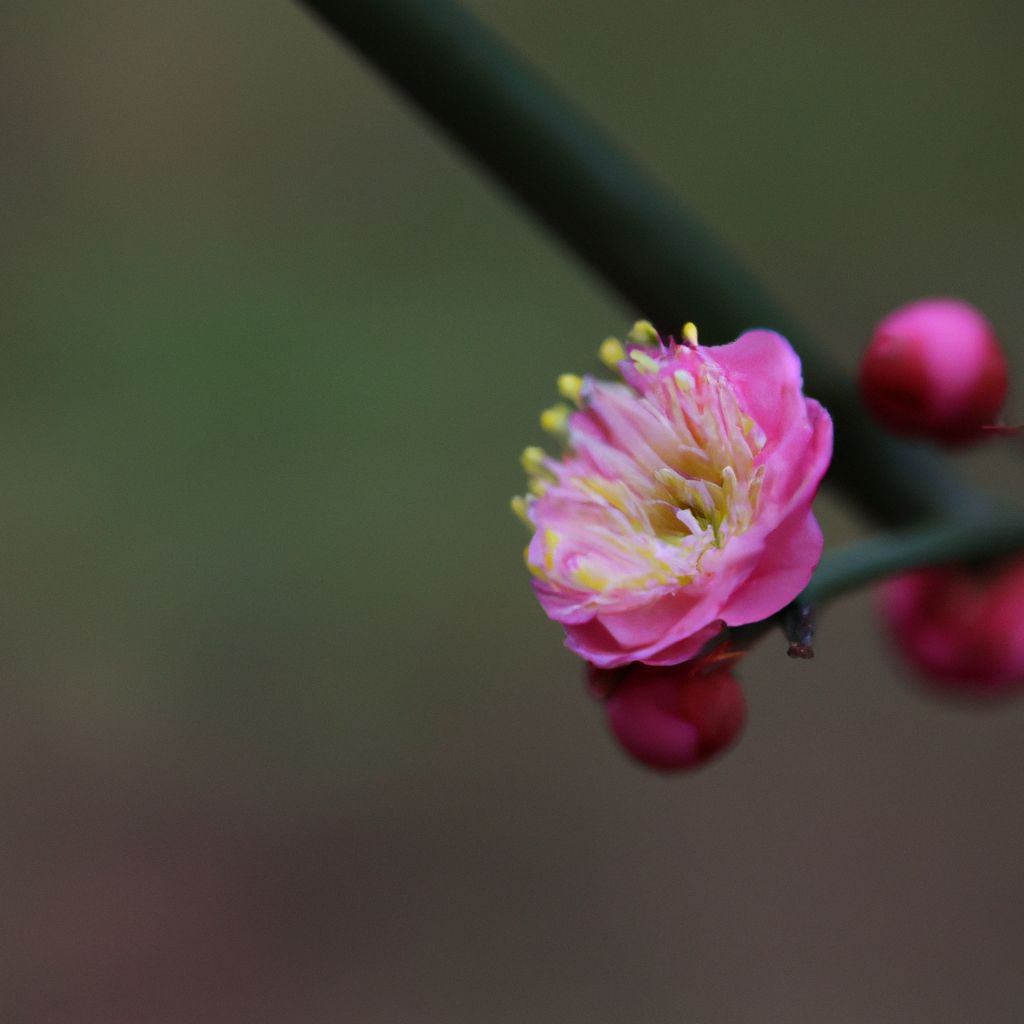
(674, 717)
(962, 629)
(935, 369)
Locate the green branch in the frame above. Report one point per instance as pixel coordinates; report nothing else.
(627, 229)
(972, 539)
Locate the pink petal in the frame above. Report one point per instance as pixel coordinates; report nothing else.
(765, 373)
(791, 553)
(798, 463)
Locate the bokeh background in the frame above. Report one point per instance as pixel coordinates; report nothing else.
(284, 736)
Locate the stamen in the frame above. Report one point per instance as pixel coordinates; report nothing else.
(532, 459)
(729, 484)
(643, 362)
(555, 420)
(690, 334)
(643, 333)
(519, 506)
(570, 386)
(611, 353)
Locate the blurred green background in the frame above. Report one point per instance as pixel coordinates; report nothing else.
(285, 736)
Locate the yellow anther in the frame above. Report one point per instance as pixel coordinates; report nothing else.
(570, 386)
(532, 459)
(555, 420)
(588, 578)
(690, 334)
(643, 362)
(611, 352)
(643, 333)
(519, 507)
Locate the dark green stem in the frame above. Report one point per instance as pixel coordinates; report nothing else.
(623, 225)
(972, 539)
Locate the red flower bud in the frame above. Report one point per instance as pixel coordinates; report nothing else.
(672, 717)
(963, 629)
(934, 368)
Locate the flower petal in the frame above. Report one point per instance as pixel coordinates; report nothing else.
(791, 553)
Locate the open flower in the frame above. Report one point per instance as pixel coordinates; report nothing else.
(683, 501)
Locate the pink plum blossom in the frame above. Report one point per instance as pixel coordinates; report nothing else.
(672, 717)
(683, 501)
(935, 368)
(962, 629)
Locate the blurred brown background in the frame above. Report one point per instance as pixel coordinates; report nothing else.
(285, 737)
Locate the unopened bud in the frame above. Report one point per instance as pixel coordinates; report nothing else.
(676, 717)
(961, 628)
(935, 369)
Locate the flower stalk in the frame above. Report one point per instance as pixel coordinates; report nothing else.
(977, 538)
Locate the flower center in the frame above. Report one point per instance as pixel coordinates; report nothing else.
(653, 480)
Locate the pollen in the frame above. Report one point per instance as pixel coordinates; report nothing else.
(570, 386)
(532, 459)
(519, 507)
(555, 420)
(643, 333)
(611, 353)
(690, 334)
